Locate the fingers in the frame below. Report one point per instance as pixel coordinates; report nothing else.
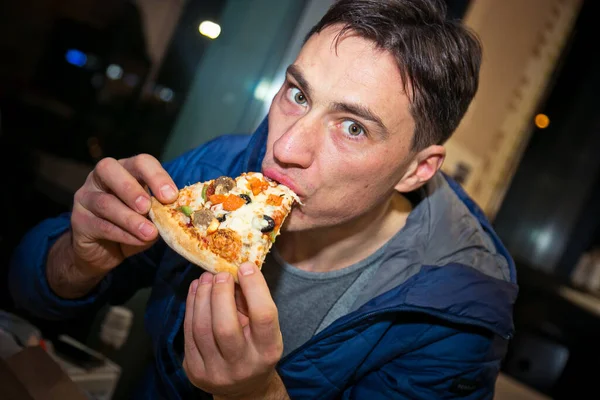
(148, 169)
(242, 307)
(226, 327)
(202, 321)
(262, 311)
(109, 208)
(86, 223)
(110, 176)
(192, 355)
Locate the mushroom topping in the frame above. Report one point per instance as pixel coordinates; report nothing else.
(202, 218)
(223, 185)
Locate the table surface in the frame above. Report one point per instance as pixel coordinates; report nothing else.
(508, 388)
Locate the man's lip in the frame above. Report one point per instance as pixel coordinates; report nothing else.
(284, 180)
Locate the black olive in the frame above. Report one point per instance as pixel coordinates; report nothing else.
(222, 218)
(270, 226)
(246, 197)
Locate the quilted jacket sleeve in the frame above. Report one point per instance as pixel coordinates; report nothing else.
(447, 363)
(27, 274)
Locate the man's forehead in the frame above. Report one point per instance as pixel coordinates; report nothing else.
(352, 69)
(349, 56)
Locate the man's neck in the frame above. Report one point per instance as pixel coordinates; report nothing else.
(338, 247)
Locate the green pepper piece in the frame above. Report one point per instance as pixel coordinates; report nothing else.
(204, 189)
(187, 210)
(272, 236)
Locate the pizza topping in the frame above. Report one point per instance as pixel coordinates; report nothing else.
(268, 224)
(212, 228)
(202, 218)
(226, 243)
(222, 218)
(210, 190)
(274, 200)
(246, 197)
(223, 185)
(233, 202)
(257, 185)
(230, 203)
(187, 210)
(217, 198)
(204, 192)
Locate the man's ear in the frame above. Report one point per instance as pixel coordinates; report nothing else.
(422, 168)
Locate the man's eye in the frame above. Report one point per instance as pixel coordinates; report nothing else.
(296, 96)
(352, 128)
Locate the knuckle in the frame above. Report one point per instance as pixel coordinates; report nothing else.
(102, 202)
(105, 164)
(128, 188)
(272, 355)
(217, 379)
(79, 195)
(240, 372)
(104, 226)
(192, 374)
(77, 218)
(131, 221)
(90, 177)
(201, 331)
(225, 332)
(265, 317)
(142, 161)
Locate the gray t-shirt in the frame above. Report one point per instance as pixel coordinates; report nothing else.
(304, 298)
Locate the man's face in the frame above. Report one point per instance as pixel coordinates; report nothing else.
(340, 130)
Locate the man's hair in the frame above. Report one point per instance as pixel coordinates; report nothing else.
(438, 58)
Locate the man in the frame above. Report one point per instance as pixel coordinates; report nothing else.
(388, 282)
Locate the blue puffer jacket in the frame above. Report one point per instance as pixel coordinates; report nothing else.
(438, 332)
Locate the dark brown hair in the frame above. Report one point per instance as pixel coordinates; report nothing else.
(438, 58)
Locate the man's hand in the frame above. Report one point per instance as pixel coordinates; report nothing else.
(232, 347)
(108, 222)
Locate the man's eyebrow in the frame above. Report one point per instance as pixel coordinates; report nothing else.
(295, 72)
(361, 111)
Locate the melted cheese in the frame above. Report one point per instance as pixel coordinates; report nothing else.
(247, 220)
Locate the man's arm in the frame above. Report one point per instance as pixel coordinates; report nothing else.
(67, 258)
(50, 286)
(64, 277)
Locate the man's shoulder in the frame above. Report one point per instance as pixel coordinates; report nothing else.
(458, 232)
(217, 157)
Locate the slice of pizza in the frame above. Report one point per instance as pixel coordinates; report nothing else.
(221, 223)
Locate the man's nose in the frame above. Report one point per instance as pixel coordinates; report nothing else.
(298, 145)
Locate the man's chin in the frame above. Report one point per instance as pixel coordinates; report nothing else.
(294, 222)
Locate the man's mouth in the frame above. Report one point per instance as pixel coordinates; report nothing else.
(283, 179)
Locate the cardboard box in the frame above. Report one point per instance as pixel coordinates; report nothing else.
(32, 374)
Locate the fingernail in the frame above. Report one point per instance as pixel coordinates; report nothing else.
(146, 229)
(168, 192)
(206, 277)
(194, 286)
(247, 268)
(143, 204)
(222, 277)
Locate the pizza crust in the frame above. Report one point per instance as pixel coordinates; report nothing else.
(177, 239)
